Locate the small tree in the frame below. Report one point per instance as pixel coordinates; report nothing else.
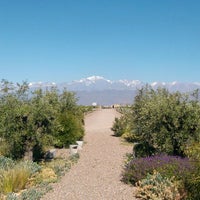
(31, 122)
(165, 120)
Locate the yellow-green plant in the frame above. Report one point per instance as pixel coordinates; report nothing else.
(45, 175)
(192, 150)
(14, 180)
(14, 177)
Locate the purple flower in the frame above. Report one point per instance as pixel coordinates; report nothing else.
(168, 166)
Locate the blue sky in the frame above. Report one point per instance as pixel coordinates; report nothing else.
(65, 40)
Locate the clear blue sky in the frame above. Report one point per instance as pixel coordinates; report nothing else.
(65, 40)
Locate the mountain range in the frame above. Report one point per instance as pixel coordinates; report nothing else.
(107, 92)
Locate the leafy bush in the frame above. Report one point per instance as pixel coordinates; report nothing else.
(128, 136)
(119, 126)
(192, 183)
(192, 150)
(46, 175)
(60, 166)
(6, 163)
(169, 166)
(157, 187)
(31, 166)
(34, 193)
(185, 171)
(11, 196)
(164, 120)
(70, 130)
(31, 123)
(143, 149)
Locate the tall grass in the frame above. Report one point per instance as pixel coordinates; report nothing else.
(14, 178)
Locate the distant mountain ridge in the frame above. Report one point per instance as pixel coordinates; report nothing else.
(108, 92)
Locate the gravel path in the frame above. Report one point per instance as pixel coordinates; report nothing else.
(96, 176)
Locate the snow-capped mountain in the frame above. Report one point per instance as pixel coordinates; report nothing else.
(106, 92)
(92, 83)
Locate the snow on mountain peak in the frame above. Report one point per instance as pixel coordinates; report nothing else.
(197, 83)
(95, 78)
(174, 83)
(130, 83)
(42, 84)
(154, 84)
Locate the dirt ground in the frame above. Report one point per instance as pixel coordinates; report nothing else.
(97, 174)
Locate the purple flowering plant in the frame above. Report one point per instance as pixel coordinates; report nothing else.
(166, 165)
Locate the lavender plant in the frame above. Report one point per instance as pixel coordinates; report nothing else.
(168, 166)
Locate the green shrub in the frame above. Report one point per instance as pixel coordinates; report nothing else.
(143, 150)
(69, 131)
(31, 166)
(167, 121)
(192, 150)
(6, 163)
(119, 126)
(192, 183)
(60, 166)
(30, 123)
(35, 193)
(129, 137)
(11, 196)
(157, 187)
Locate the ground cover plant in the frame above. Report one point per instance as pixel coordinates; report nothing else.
(15, 175)
(157, 187)
(21, 180)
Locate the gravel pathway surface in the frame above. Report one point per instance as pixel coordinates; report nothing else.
(96, 176)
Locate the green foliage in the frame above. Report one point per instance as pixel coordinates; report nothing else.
(192, 183)
(35, 193)
(11, 196)
(166, 121)
(157, 187)
(183, 170)
(86, 109)
(31, 166)
(61, 166)
(192, 150)
(119, 126)
(143, 149)
(122, 125)
(14, 180)
(69, 130)
(17, 176)
(30, 123)
(6, 163)
(169, 123)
